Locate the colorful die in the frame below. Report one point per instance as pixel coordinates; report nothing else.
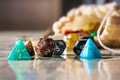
(60, 47)
(73, 36)
(79, 46)
(94, 34)
(19, 52)
(45, 47)
(90, 51)
(71, 40)
(30, 49)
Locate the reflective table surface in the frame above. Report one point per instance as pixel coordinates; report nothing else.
(65, 67)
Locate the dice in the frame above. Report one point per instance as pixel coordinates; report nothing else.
(71, 40)
(94, 34)
(80, 45)
(60, 47)
(45, 47)
(30, 49)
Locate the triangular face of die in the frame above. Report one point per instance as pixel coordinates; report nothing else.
(19, 52)
(90, 51)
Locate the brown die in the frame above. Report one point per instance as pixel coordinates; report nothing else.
(45, 47)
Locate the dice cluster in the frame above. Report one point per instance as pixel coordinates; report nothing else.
(46, 47)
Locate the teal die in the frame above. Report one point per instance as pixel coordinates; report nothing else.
(19, 52)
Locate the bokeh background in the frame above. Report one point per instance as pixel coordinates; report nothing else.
(37, 14)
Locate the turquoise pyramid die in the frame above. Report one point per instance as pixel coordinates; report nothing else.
(90, 50)
(19, 52)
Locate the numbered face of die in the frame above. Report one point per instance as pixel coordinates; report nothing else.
(45, 47)
(78, 47)
(60, 47)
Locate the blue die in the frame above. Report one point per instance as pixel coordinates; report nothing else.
(60, 47)
(80, 44)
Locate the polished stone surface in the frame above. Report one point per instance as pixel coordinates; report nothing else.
(66, 67)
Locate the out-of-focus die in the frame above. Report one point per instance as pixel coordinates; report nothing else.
(73, 36)
(45, 47)
(60, 47)
(30, 49)
(19, 52)
(79, 46)
(83, 33)
(70, 44)
(68, 32)
(94, 34)
(71, 40)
